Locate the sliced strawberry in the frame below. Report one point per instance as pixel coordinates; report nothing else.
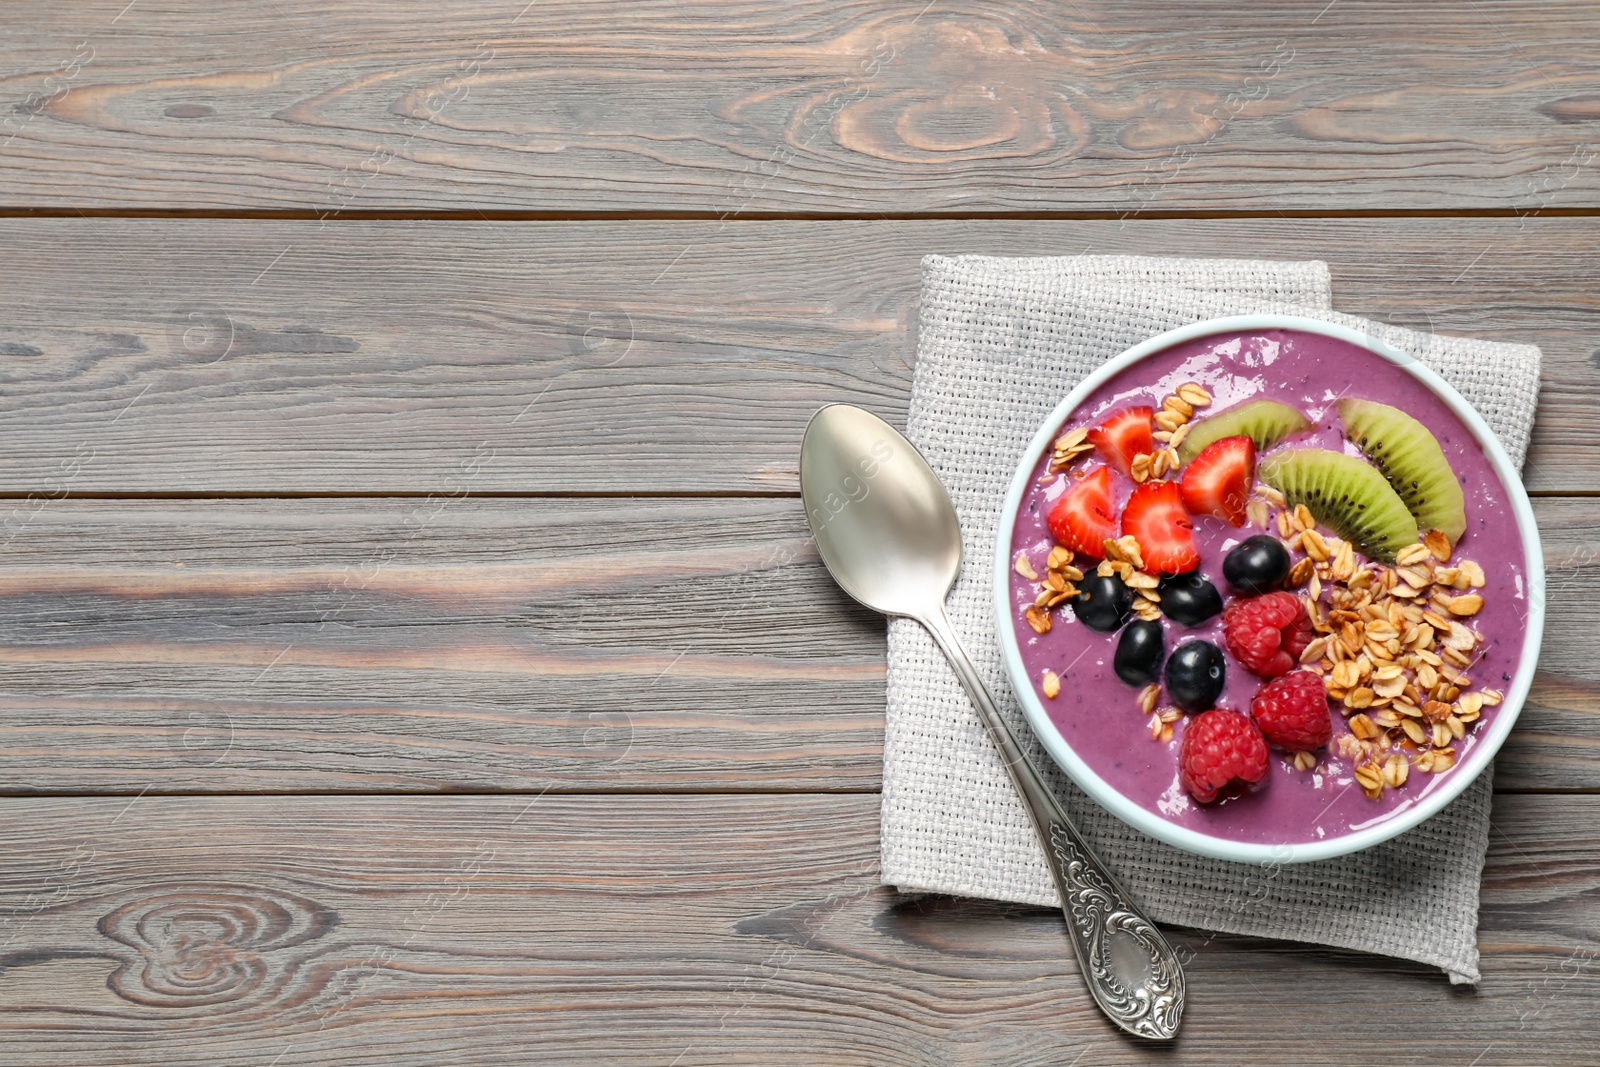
(1218, 480)
(1085, 516)
(1123, 435)
(1156, 518)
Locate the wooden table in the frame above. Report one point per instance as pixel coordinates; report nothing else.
(413, 651)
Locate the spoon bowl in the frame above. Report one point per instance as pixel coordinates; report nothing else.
(883, 522)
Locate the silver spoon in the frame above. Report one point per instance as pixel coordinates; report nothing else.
(887, 531)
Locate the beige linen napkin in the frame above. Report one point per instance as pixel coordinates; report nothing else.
(1002, 341)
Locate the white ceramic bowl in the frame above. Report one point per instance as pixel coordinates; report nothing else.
(1492, 734)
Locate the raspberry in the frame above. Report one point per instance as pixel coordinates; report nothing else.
(1217, 747)
(1292, 711)
(1267, 633)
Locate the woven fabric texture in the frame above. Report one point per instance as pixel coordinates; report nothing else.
(1001, 342)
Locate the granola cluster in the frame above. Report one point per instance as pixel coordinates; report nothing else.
(1171, 427)
(1393, 646)
(1160, 721)
(1054, 590)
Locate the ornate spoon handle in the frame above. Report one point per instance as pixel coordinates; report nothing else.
(1132, 972)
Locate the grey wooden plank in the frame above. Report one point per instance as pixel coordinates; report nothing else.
(704, 930)
(175, 356)
(502, 644)
(1556, 742)
(404, 645)
(729, 107)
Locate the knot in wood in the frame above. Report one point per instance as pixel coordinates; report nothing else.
(204, 945)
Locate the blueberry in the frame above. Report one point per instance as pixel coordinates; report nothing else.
(1257, 564)
(1139, 652)
(1103, 602)
(1189, 599)
(1195, 673)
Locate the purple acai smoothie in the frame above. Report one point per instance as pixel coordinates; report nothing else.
(1099, 715)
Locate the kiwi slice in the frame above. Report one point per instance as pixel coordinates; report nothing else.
(1266, 422)
(1410, 457)
(1346, 495)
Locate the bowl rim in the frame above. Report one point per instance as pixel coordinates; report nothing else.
(1153, 824)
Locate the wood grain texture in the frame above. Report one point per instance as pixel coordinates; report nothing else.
(452, 644)
(730, 107)
(512, 645)
(713, 930)
(176, 356)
